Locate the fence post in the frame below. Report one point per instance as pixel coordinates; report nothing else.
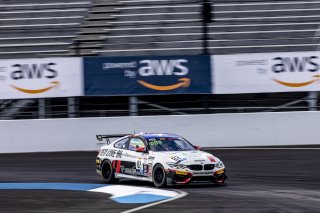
(42, 108)
(72, 107)
(133, 106)
(313, 101)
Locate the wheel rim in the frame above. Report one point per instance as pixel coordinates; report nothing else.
(107, 172)
(159, 175)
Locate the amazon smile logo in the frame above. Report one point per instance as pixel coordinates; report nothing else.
(37, 91)
(182, 83)
(34, 72)
(172, 67)
(298, 84)
(296, 66)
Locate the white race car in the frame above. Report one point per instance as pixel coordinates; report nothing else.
(159, 158)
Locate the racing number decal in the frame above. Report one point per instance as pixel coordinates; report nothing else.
(139, 166)
(175, 158)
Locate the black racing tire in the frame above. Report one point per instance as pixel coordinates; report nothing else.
(108, 172)
(159, 176)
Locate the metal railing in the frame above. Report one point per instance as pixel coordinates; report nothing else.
(159, 105)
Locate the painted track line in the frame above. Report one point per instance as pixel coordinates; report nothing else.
(181, 195)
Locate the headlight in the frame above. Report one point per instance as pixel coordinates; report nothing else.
(176, 165)
(219, 165)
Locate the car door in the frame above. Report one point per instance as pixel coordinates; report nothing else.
(138, 159)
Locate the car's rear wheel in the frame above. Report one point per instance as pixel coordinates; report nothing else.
(159, 176)
(108, 172)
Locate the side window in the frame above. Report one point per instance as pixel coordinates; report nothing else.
(134, 143)
(121, 144)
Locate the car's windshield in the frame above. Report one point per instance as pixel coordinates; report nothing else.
(160, 144)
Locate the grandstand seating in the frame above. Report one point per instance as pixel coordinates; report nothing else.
(174, 27)
(50, 28)
(37, 28)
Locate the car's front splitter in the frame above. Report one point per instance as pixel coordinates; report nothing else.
(183, 177)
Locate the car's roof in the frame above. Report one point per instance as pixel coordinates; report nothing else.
(158, 135)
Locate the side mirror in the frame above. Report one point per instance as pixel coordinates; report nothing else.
(197, 147)
(140, 149)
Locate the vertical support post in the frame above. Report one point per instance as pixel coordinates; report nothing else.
(313, 101)
(42, 108)
(205, 104)
(205, 38)
(72, 107)
(206, 19)
(133, 106)
(77, 49)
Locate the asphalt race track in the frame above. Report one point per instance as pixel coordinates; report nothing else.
(268, 180)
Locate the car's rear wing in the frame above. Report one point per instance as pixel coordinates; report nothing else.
(107, 137)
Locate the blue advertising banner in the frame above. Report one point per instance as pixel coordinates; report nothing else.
(147, 75)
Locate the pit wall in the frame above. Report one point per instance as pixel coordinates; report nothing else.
(218, 130)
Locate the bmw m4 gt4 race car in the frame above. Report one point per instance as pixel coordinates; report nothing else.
(159, 158)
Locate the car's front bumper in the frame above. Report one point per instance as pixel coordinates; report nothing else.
(204, 177)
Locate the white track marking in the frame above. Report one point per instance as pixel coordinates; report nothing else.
(181, 195)
(121, 191)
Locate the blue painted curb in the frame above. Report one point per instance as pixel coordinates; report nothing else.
(140, 196)
(51, 186)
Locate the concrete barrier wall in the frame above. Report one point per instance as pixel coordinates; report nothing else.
(220, 130)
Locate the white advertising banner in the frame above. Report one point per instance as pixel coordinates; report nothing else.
(41, 78)
(266, 72)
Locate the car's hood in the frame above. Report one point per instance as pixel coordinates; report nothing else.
(186, 157)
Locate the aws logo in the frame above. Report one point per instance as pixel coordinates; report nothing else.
(176, 67)
(34, 71)
(296, 65)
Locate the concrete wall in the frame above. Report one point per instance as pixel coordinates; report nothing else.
(221, 130)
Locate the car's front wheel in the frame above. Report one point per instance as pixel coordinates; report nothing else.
(108, 172)
(159, 176)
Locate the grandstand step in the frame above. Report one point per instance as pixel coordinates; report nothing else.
(99, 18)
(83, 52)
(86, 46)
(89, 39)
(93, 44)
(35, 40)
(44, 20)
(96, 25)
(64, 54)
(24, 54)
(70, 53)
(29, 14)
(46, 48)
(89, 53)
(104, 4)
(45, 5)
(103, 11)
(150, 52)
(35, 27)
(92, 32)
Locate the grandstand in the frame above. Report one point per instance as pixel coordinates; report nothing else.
(53, 28)
(47, 28)
(157, 27)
